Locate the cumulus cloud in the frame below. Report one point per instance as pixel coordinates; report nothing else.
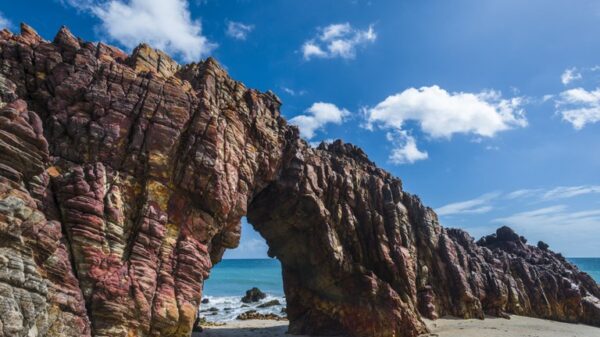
(4, 22)
(317, 116)
(579, 106)
(474, 206)
(570, 75)
(440, 114)
(337, 40)
(238, 30)
(405, 148)
(164, 24)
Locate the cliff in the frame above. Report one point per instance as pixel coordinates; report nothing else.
(123, 179)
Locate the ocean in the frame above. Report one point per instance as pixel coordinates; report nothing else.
(230, 279)
(590, 265)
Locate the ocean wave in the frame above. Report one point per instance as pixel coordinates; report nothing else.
(227, 308)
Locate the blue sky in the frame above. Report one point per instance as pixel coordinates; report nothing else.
(488, 110)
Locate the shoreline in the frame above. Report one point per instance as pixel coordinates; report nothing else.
(517, 326)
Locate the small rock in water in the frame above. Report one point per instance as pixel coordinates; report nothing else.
(205, 301)
(269, 304)
(213, 309)
(253, 295)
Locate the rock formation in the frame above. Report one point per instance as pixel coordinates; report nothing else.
(123, 179)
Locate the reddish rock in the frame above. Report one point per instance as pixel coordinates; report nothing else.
(123, 179)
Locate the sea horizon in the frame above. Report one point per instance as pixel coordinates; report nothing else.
(231, 277)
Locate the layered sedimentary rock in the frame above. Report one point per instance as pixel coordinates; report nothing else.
(123, 178)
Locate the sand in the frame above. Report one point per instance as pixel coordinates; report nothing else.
(517, 326)
(249, 328)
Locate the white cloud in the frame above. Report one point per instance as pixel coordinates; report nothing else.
(523, 193)
(405, 148)
(579, 106)
(238, 30)
(534, 194)
(441, 114)
(554, 220)
(310, 49)
(547, 223)
(546, 98)
(338, 40)
(4, 22)
(293, 92)
(550, 223)
(564, 192)
(164, 24)
(317, 116)
(474, 206)
(570, 75)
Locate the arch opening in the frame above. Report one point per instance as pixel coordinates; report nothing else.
(241, 269)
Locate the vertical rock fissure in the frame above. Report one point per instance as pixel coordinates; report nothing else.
(71, 254)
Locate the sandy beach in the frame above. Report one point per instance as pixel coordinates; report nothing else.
(249, 328)
(517, 326)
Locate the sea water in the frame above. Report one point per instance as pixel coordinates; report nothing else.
(228, 283)
(230, 279)
(590, 265)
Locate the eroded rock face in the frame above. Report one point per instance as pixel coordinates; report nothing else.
(123, 179)
(142, 168)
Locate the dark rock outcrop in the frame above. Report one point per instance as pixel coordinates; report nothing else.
(123, 179)
(253, 314)
(253, 295)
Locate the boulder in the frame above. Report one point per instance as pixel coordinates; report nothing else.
(253, 295)
(253, 314)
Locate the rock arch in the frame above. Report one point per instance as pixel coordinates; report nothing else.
(123, 179)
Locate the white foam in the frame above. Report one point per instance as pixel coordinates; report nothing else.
(229, 307)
